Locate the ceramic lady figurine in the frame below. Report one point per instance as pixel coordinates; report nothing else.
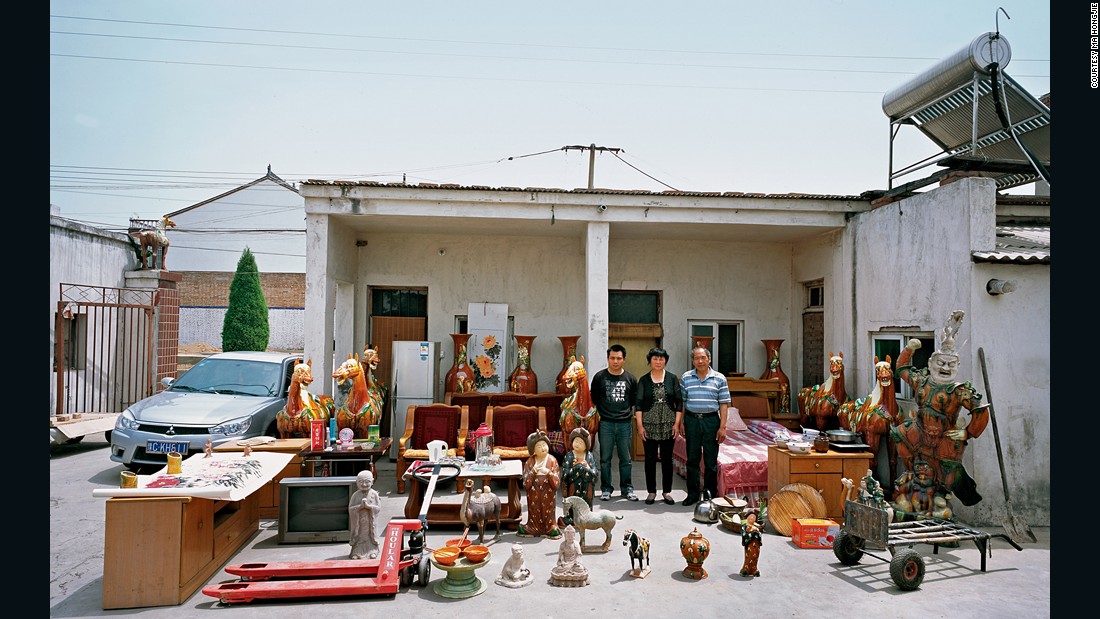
(751, 540)
(363, 508)
(541, 478)
(578, 477)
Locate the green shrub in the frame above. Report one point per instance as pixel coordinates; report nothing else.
(245, 326)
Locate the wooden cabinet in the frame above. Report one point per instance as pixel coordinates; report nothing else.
(268, 496)
(823, 471)
(160, 550)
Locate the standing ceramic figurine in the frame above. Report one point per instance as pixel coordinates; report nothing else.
(751, 540)
(362, 509)
(578, 477)
(541, 478)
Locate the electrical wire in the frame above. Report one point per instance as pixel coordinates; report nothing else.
(1001, 106)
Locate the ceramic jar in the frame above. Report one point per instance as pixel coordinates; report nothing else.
(523, 379)
(569, 350)
(821, 443)
(695, 549)
(460, 378)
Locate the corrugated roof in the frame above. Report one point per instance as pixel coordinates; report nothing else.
(1017, 244)
(596, 190)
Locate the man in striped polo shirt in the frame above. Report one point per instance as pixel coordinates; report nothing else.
(706, 397)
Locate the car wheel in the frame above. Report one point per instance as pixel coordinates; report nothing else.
(273, 429)
(107, 435)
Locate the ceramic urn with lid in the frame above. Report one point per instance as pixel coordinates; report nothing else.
(695, 549)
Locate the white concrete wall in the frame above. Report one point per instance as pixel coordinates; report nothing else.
(912, 268)
(822, 258)
(86, 256)
(203, 325)
(211, 237)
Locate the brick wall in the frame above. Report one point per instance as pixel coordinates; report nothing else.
(211, 289)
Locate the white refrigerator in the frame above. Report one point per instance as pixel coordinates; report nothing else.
(414, 381)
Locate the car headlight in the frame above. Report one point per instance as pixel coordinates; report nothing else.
(126, 421)
(233, 426)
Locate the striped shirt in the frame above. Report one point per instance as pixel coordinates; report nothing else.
(704, 396)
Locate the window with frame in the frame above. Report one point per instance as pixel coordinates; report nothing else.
(725, 347)
(815, 294)
(892, 344)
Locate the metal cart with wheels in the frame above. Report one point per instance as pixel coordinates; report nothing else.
(870, 527)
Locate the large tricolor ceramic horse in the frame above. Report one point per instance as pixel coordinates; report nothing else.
(363, 406)
(152, 243)
(301, 405)
(820, 402)
(874, 415)
(577, 410)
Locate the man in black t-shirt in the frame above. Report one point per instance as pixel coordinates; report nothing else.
(612, 393)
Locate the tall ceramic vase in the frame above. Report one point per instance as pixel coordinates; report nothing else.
(523, 379)
(706, 341)
(460, 378)
(569, 350)
(695, 549)
(773, 370)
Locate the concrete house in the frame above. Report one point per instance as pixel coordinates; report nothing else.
(832, 273)
(264, 215)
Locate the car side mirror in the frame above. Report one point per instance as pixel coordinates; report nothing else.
(167, 381)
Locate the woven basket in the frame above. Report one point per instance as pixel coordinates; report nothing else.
(812, 496)
(783, 507)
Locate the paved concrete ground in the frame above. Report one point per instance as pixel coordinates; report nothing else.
(794, 582)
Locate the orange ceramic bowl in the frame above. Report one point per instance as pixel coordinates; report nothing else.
(476, 553)
(459, 543)
(447, 556)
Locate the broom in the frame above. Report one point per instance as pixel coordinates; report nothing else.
(1014, 525)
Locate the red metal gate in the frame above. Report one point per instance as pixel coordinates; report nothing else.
(103, 350)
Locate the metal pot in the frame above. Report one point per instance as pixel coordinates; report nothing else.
(844, 436)
(705, 511)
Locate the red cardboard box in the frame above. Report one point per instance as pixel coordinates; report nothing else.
(317, 434)
(814, 532)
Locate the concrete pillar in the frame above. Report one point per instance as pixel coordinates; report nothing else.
(595, 268)
(320, 299)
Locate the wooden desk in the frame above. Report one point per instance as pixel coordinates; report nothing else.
(447, 513)
(820, 470)
(157, 551)
(268, 496)
(354, 460)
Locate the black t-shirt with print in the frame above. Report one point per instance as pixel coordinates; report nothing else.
(614, 395)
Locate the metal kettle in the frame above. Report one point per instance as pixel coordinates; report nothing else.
(705, 511)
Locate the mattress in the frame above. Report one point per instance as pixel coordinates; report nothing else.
(742, 464)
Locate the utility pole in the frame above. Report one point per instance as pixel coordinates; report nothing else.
(592, 158)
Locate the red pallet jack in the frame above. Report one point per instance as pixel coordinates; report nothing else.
(396, 566)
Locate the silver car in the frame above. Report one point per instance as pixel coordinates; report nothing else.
(225, 397)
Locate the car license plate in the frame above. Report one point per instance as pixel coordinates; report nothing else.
(163, 447)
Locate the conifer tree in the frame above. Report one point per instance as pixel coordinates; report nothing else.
(245, 326)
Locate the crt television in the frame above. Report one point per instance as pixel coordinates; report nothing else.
(315, 509)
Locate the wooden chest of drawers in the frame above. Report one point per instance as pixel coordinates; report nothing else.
(823, 471)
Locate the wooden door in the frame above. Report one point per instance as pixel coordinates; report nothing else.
(384, 331)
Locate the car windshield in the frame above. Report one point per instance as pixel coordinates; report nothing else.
(231, 377)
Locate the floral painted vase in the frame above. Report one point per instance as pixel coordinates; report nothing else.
(460, 378)
(695, 549)
(523, 379)
(569, 350)
(773, 370)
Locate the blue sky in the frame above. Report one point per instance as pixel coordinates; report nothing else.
(158, 105)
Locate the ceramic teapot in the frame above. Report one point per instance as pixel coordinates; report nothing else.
(705, 511)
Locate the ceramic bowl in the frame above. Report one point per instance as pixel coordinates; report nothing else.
(459, 543)
(799, 447)
(781, 442)
(809, 435)
(447, 556)
(476, 553)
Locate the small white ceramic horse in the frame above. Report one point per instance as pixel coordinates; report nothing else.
(584, 518)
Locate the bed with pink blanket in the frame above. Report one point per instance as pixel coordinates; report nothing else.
(743, 456)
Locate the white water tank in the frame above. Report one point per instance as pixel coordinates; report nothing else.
(947, 75)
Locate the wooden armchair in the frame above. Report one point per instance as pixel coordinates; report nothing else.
(425, 423)
(477, 403)
(551, 401)
(507, 397)
(511, 425)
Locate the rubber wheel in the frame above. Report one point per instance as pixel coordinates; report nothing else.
(74, 440)
(424, 572)
(847, 549)
(107, 435)
(907, 569)
(407, 575)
